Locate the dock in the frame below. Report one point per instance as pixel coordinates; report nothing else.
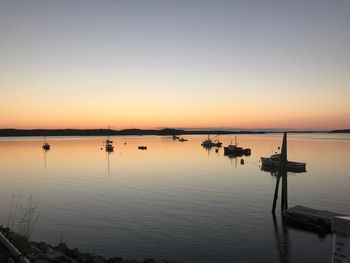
(310, 219)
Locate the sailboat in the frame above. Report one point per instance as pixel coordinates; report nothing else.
(46, 146)
(109, 143)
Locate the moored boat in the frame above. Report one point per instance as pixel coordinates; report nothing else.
(109, 147)
(46, 146)
(274, 169)
(274, 161)
(233, 149)
(142, 147)
(208, 143)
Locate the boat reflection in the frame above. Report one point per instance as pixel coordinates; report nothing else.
(44, 155)
(273, 170)
(108, 153)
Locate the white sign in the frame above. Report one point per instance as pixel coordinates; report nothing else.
(341, 249)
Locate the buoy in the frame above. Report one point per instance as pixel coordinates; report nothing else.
(216, 150)
(242, 161)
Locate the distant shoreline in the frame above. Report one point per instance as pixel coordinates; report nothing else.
(137, 132)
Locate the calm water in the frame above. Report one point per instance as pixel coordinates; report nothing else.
(176, 200)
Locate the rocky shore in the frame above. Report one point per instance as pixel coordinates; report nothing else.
(41, 252)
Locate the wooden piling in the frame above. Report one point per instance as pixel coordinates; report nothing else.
(275, 197)
(282, 173)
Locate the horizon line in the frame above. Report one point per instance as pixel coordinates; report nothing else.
(184, 128)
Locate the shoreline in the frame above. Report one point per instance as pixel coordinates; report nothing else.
(42, 252)
(138, 132)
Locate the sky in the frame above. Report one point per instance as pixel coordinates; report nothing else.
(195, 64)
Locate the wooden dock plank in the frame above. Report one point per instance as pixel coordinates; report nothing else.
(312, 219)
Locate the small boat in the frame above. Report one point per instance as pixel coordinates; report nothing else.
(183, 140)
(274, 161)
(217, 143)
(247, 151)
(142, 147)
(175, 137)
(46, 146)
(208, 143)
(274, 169)
(233, 149)
(109, 147)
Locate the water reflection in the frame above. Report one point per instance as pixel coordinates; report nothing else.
(233, 160)
(210, 150)
(108, 153)
(274, 170)
(282, 240)
(177, 201)
(45, 151)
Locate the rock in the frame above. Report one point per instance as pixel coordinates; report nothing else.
(73, 253)
(35, 251)
(62, 247)
(40, 261)
(20, 242)
(41, 252)
(99, 259)
(42, 246)
(115, 260)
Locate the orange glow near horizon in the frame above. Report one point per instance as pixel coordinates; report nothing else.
(196, 120)
(252, 109)
(176, 112)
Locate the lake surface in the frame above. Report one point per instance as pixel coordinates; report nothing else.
(175, 201)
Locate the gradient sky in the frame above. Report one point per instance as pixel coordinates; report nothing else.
(150, 64)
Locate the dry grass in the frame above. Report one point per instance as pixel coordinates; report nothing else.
(23, 215)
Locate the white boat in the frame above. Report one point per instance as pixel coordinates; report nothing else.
(274, 161)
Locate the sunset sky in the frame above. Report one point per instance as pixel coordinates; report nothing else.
(150, 64)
